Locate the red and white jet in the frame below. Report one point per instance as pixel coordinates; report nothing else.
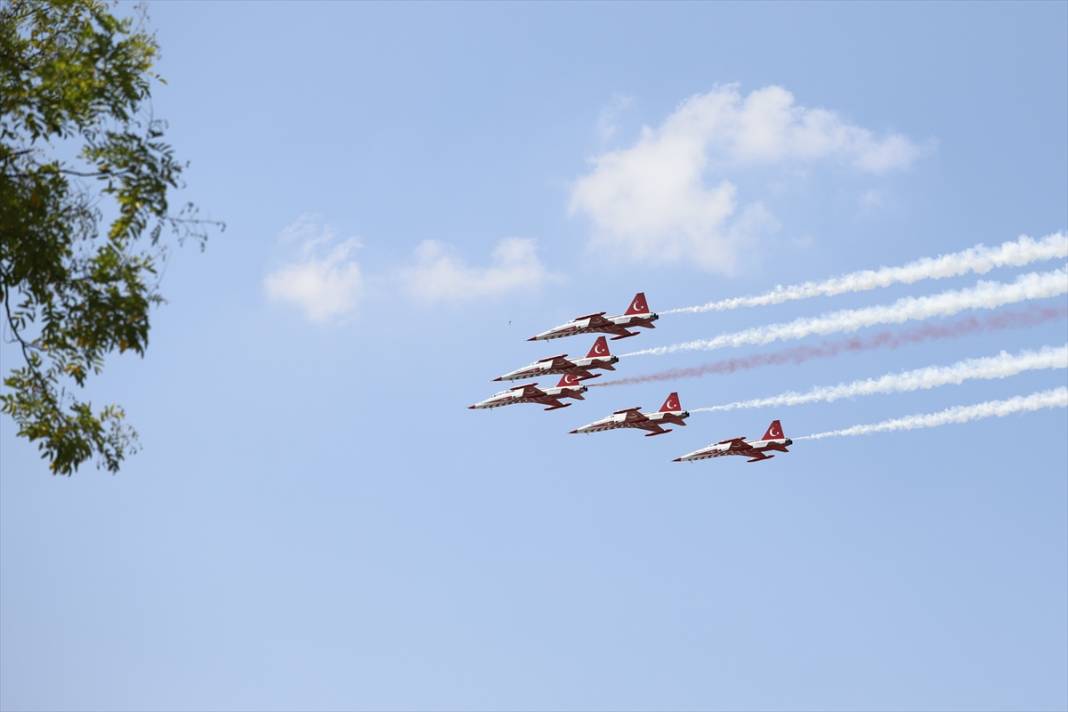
(670, 412)
(637, 314)
(754, 449)
(568, 387)
(598, 357)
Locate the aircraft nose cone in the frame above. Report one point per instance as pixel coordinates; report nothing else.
(498, 378)
(677, 459)
(470, 407)
(572, 432)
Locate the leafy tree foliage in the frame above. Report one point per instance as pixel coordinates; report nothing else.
(85, 176)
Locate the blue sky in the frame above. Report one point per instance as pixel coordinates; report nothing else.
(317, 522)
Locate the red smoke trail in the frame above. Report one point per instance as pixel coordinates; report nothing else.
(883, 340)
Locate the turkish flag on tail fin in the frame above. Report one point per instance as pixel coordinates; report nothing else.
(774, 431)
(600, 348)
(672, 403)
(568, 379)
(638, 305)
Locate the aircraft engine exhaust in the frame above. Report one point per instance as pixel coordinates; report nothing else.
(1002, 365)
(830, 349)
(975, 260)
(1053, 398)
(983, 295)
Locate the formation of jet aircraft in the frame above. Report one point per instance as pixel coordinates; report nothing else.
(574, 371)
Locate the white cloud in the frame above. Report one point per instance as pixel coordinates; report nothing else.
(321, 277)
(666, 199)
(439, 275)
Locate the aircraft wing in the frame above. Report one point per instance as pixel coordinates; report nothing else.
(558, 362)
(653, 429)
(553, 403)
(531, 391)
(597, 321)
(632, 416)
(736, 444)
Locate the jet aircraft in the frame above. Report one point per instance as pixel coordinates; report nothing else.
(598, 357)
(754, 449)
(568, 387)
(670, 412)
(637, 314)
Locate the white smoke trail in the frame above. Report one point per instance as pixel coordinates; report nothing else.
(984, 295)
(1053, 398)
(1002, 365)
(974, 260)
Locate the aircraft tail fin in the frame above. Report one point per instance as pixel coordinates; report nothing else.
(672, 403)
(600, 348)
(774, 431)
(568, 380)
(638, 305)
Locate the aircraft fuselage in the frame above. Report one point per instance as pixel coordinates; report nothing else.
(755, 451)
(595, 323)
(524, 394)
(548, 368)
(620, 420)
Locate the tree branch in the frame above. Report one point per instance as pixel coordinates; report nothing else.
(25, 347)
